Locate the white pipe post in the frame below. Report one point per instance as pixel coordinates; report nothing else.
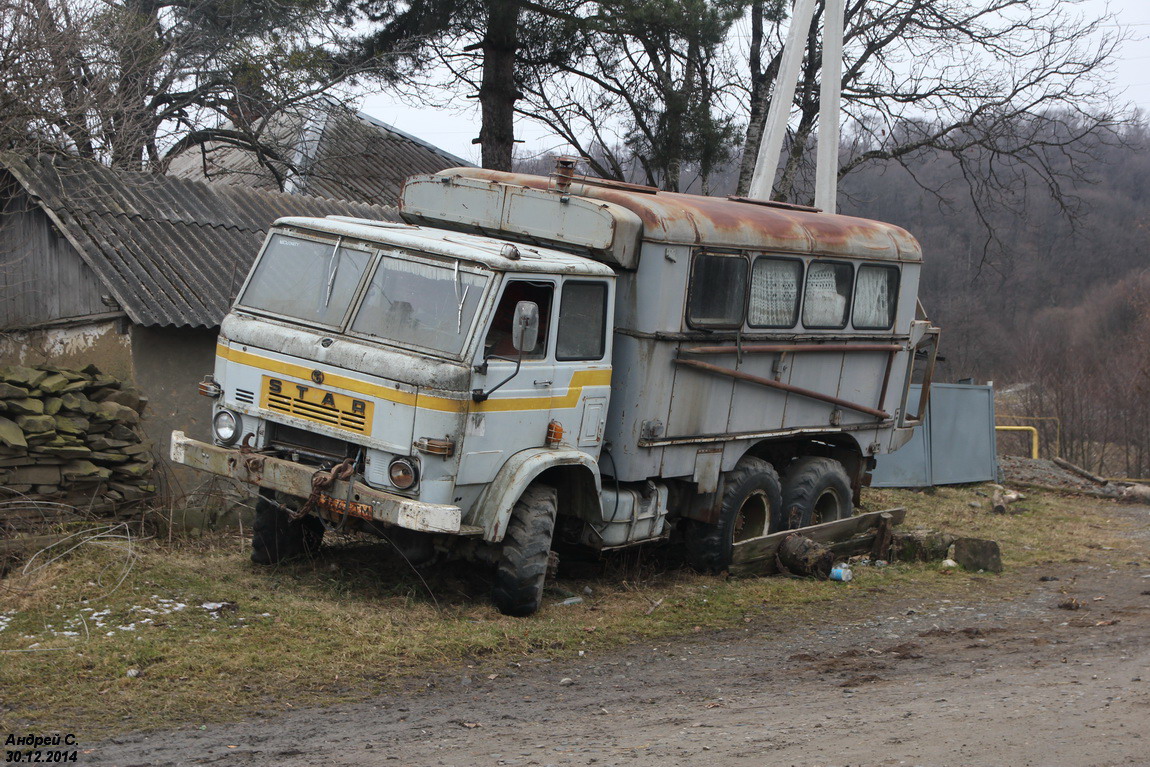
(775, 127)
(830, 106)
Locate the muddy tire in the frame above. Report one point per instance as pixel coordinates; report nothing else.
(751, 497)
(815, 490)
(522, 569)
(276, 538)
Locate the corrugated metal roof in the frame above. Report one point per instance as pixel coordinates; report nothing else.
(340, 154)
(170, 251)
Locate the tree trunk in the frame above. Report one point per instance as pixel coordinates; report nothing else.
(138, 59)
(760, 82)
(498, 92)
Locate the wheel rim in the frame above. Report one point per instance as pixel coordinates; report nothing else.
(826, 507)
(753, 516)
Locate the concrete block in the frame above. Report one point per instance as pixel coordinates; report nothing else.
(978, 554)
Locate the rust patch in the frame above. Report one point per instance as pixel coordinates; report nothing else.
(720, 221)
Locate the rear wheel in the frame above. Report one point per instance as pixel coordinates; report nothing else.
(815, 490)
(522, 569)
(751, 498)
(276, 537)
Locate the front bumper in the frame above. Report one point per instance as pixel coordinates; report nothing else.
(295, 479)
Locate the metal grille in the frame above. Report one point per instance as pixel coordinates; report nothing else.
(291, 439)
(245, 396)
(341, 415)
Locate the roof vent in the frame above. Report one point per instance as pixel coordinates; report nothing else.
(564, 172)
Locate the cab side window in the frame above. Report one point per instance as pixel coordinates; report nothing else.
(718, 291)
(582, 321)
(498, 341)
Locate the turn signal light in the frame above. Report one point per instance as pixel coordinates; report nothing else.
(209, 388)
(554, 434)
(444, 447)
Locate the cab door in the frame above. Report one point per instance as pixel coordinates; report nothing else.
(582, 387)
(517, 407)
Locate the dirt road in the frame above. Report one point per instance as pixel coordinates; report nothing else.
(997, 681)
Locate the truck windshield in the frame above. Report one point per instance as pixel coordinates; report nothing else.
(309, 280)
(420, 304)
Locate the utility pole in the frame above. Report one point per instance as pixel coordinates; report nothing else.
(830, 104)
(830, 108)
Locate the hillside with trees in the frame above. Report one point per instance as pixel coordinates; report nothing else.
(1048, 294)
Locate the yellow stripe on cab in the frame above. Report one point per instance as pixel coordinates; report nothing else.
(580, 379)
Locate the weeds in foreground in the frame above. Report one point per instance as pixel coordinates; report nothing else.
(209, 637)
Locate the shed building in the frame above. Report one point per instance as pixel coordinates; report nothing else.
(132, 272)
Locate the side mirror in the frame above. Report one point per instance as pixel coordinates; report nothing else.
(525, 329)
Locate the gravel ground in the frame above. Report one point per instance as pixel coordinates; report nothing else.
(1043, 472)
(1008, 678)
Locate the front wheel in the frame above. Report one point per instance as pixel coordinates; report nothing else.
(815, 490)
(276, 537)
(751, 498)
(522, 569)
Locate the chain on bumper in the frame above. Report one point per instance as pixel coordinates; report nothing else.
(321, 481)
(301, 481)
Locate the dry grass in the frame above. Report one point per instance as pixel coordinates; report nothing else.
(355, 622)
(1045, 527)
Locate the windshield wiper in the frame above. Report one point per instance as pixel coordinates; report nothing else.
(460, 299)
(332, 270)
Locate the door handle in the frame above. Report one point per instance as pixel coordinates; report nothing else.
(542, 383)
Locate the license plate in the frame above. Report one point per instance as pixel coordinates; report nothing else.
(319, 405)
(342, 507)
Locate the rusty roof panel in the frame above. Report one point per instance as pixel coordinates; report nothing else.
(171, 251)
(720, 222)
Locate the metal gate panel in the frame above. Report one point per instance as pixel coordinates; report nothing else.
(955, 444)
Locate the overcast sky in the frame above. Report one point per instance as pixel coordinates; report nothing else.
(454, 128)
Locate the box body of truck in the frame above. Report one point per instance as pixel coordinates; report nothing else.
(686, 352)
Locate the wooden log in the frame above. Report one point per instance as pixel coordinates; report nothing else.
(1108, 492)
(1080, 472)
(883, 535)
(757, 556)
(800, 555)
(921, 545)
(853, 547)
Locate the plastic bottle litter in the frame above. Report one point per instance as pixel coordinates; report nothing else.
(841, 573)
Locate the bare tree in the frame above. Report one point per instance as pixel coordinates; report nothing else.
(131, 82)
(642, 90)
(999, 87)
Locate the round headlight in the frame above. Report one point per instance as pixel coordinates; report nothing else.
(226, 425)
(402, 473)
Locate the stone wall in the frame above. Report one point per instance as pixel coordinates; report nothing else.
(73, 436)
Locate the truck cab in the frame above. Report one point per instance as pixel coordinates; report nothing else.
(469, 379)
